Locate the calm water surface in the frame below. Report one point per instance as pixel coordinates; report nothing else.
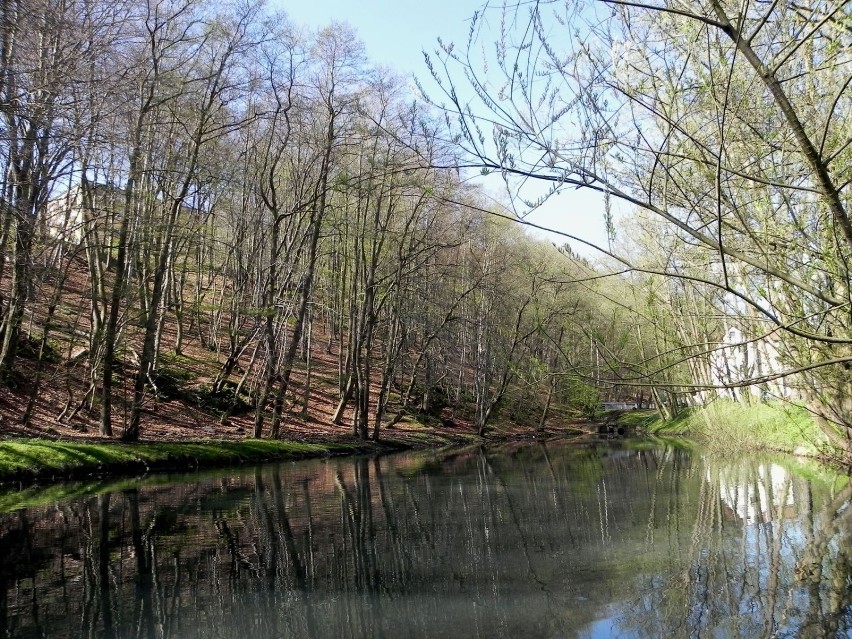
(556, 540)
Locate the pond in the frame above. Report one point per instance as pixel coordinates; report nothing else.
(624, 539)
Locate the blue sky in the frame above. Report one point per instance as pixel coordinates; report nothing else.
(395, 33)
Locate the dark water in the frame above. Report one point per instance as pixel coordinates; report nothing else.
(532, 541)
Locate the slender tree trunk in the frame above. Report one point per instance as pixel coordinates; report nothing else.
(304, 300)
(147, 358)
(45, 335)
(24, 230)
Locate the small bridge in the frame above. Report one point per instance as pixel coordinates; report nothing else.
(618, 405)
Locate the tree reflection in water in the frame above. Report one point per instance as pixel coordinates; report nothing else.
(534, 540)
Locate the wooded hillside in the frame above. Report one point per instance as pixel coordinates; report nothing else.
(208, 205)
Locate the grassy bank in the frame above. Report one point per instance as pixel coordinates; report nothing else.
(44, 459)
(731, 426)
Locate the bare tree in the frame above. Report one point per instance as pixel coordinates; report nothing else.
(43, 52)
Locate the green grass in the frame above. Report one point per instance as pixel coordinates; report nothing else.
(731, 426)
(641, 418)
(410, 422)
(44, 458)
(672, 427)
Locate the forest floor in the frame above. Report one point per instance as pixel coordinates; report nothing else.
(180, 427)
(176, 434)
(38, 459)
(169, 419)
(180, 434)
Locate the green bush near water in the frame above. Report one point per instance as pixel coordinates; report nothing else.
(731, 426)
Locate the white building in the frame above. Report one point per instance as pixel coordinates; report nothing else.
(740, 360)
(67, 217)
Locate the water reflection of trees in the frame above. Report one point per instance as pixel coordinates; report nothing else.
(517, 541)
(766, 556)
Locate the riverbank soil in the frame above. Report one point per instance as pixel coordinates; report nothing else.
(178, 419)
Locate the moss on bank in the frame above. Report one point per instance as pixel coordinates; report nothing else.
(25, 460)
(731, 426)
(33, 459)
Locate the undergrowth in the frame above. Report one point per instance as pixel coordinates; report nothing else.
(733, 426)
